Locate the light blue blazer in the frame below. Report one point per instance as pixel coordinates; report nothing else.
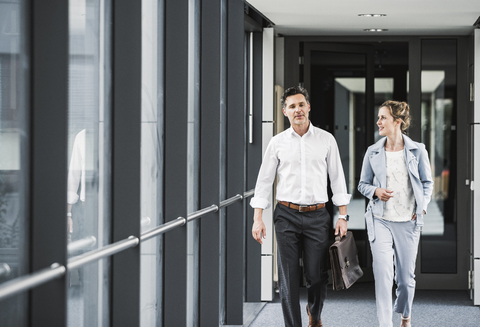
(374, 174)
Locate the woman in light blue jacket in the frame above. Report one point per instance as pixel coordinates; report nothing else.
(396, 177)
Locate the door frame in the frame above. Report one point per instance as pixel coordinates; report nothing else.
(295, 54)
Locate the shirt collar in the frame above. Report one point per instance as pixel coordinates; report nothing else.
(310, 130)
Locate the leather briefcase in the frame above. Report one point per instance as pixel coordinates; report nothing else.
(344, 261)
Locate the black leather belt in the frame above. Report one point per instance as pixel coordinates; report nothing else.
(302, 208)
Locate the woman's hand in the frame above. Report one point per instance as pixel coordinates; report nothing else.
(383, 194)
(415, 215)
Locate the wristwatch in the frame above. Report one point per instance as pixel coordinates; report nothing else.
(346, 217)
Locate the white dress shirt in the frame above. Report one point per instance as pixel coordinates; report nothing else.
(302, 165)
(76, 171)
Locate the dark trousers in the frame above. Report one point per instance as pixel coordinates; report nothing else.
(301, 234)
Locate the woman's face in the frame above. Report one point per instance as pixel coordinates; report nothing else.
(386, 124)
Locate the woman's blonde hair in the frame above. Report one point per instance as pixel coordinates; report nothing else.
(399, 110)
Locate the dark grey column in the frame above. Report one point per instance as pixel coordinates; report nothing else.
(291, 63)
(126, 111)
(210, 140)
(254, 160)
(415, 91)
(48, 156)
(235, 165)
(175, 161)
(370, 96)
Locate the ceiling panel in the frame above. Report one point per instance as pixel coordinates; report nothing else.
(340, 17)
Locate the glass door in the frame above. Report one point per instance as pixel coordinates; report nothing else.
(347, 84)
(340, 80)
(443, 260)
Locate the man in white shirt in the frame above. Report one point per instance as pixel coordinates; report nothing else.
(301, 157)
(76, 177)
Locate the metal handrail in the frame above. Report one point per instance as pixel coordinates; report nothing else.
(32, 280)
(81, 244)
(180, 221)
(202, 212)
(26, 282)
(103, 252)
(248, 193)
(231, 200)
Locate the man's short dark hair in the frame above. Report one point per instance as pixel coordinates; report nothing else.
(292, 91)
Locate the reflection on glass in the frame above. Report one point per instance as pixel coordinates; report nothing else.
(151, 164)
(338, 83)
(439, 84)
(383, 92)
(349, 96)
(13, 158)
(89, 156)
(337, 98)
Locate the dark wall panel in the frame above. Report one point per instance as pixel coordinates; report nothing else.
(235, 162)
(210, 163)
(48, 156)
(126, 114)
(175, 160)
(415, 91)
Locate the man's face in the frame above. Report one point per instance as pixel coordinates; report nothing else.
(296, 109)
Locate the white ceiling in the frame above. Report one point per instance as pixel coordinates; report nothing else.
(340, 17)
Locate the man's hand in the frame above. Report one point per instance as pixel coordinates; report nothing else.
(341, 227)
(69, 227)
(258, 228)
(383, 194)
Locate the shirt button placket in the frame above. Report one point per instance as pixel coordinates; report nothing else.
(303, 168)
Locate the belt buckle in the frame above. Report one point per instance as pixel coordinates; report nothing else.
(300, 207)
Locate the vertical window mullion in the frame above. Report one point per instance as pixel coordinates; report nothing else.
(48, 155)
(126, 128)
(233, 43)
(175, 160)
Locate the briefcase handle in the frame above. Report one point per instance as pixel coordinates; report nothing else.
(338, 238)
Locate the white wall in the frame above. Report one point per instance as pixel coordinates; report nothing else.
(476, 173)
(268, 93)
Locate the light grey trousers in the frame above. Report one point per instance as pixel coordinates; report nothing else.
(395, 244)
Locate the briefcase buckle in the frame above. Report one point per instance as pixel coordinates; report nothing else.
(347, 262)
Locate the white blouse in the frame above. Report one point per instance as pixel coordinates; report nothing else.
(401, 207)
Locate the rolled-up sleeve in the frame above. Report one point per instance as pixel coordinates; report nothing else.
(337, 177)
(265, 179)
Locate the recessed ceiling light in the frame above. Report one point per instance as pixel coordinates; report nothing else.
(375, 29)
(372, 15)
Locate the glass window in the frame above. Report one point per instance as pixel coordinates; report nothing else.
(88, 197)
(151, 162)
(338, 91)
(439, 94)
(14, 157)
